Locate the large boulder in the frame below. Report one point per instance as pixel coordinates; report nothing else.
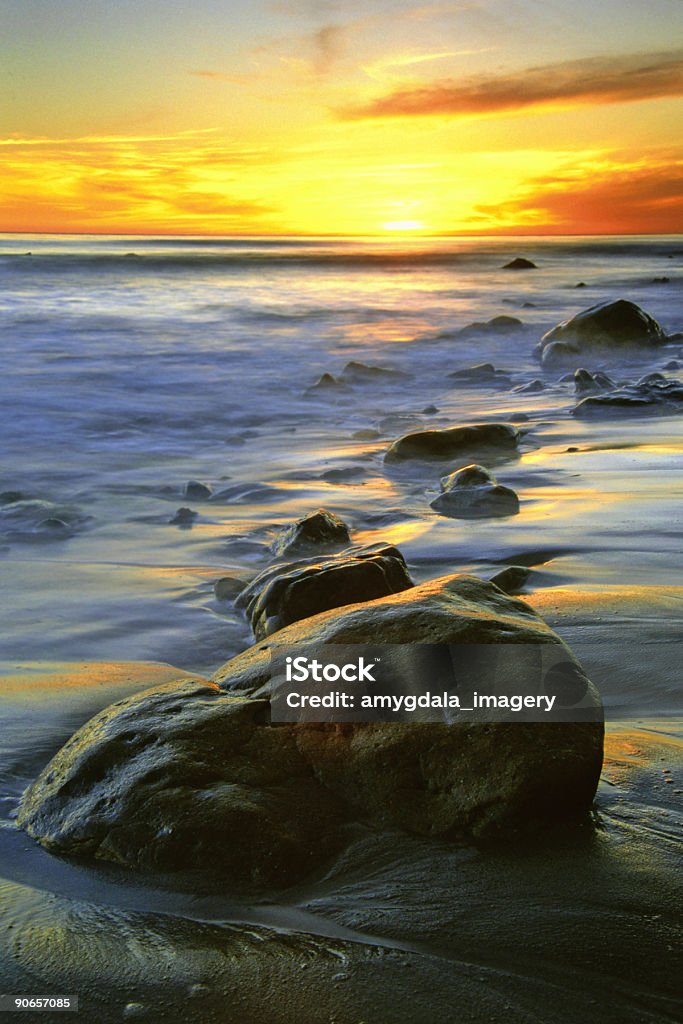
(315, 530)
(599, 329)
(497, 438)
(192, 775)
(472, 492)
(287, 593)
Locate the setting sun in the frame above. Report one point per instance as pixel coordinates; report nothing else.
(403, 225)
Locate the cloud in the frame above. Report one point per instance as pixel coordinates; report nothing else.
(627, 198)
(622, 79)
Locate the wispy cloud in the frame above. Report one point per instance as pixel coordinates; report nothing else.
(622, 79)
(601, 197)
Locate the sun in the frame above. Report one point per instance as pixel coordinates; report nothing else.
(403, 225)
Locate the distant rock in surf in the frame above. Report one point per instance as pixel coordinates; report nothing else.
(473, 493)
(196, 491)
(530, 387)
(501, 438)
(317, 529)
(520, 263)
(584, 381)
(327, 383)
(607, 327)
(360, 373)
(653, 393)
(497, 325)
(511, 579)
(284, 594)
(184, 517)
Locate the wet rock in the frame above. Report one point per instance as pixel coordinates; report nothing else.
(520, 263)
(673, 364)
(472, 493)
(328, 383)
(480, 372)
(581, 284)
(367, 434)
(227, 588)
(317, 529)
(36, 519)
(501, 438)
(531, 386)
(196, 491)
(511, 579)
(429, 410)
(184, 517)
(651, 394)
(602, 328)
(360, 373)
(584, 381)
(519, 417)
(287, 593)
(10, 497)
(661, 280)
(497, 325)
(192, 775)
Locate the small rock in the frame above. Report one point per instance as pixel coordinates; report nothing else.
(512, 579)
(520, 263)
(483, 371)
(9, 497)
(472, 492)
(366, 435)
(429, 410)
(360, 373)
(502, 438)
(519, 417)
(673, 364)
(661, 280)
(313, 530)
(184, 517)
(531, 386)
(228, 587)
(327, 383)
(581, 284)
(196, 491)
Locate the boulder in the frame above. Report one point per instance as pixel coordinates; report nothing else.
(499, 438)
(317, 529)
(284, 594)
(520, 263)
(192, 775)
(602, 328)
(472, 493)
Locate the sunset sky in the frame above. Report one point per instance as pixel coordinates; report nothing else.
(341, 116)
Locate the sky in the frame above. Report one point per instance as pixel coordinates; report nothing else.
(341, 117)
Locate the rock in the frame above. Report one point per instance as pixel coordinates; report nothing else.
(673, 364)
(228, 587)
(531, 386)
(316, 529)
(651, 394)
(497, 325)
(585, 381)
(661, 280)
(196, 491)
(360, 373)
(191, 775)
(581, 284)
(528, 305)
(10, 497)
(284, 594)
(328, 383)
(429, 410)
(601, 328)
(184, 517)
(471, 493)
(520, 263)
(511, 579)
(501, 438)
(480, 372)
(519, 417)
(366, 435)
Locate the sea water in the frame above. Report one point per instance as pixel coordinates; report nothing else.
(130, 366)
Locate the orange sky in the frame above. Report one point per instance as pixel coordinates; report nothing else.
(336, 117)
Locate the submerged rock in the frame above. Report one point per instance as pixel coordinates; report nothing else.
(497, 325)
(472, 492)
(453, 441)
(531, 387)
(284, 594)
(482, 372)
(360, 373)
(328, 383)
(191, 774)
(316, 529)
(601, 328)
(653, 393)
(520, 263)
(196, 491)
(184, 517)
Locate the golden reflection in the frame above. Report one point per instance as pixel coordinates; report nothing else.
(398, 533)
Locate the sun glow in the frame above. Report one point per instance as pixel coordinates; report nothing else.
(403, 225)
